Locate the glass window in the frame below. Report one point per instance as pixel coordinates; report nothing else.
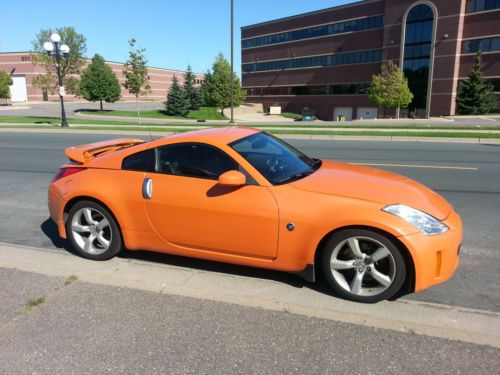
(410, 33)
(495, 44)
(143, 161)
(482, 5)
(485, 45)
(426, 31)
(312, 32)
(276, 160)
(417, 51)
(194, 160)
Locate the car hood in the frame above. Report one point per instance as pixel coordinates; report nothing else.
(374, 185)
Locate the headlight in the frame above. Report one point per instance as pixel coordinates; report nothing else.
(424, 222)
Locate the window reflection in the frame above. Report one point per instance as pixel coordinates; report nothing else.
(417, 53)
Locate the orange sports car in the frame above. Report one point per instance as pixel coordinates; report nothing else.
(240, 195)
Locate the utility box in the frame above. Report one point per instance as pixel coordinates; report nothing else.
(275, 110)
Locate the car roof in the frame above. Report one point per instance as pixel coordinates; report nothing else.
(214, 135)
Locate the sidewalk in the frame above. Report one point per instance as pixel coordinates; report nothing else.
(474, 326)
(126, 316)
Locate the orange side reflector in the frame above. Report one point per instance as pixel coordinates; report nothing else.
(438, 263)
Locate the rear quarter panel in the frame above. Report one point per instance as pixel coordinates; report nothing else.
(119, 190)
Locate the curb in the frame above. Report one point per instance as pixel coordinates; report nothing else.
(450, 322)
(492, 141)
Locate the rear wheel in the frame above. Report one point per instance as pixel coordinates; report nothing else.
(363, 266)
(93, 231)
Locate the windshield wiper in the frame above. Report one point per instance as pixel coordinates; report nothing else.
(317, 163)
(294, 177)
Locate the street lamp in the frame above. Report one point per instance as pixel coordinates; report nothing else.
(53, 48)
(232, 61)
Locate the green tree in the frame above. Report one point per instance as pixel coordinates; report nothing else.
(136, 74)
(177, 103)
(99, 83)
(475, 95)
(71, 64)
(217, 86)
(190, 90)
(205, 101)
(5, 82)
(390, 88)
(46, 82)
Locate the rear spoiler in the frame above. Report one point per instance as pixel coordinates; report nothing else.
(84, 153)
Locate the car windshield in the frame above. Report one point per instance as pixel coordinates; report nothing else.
(276, 160)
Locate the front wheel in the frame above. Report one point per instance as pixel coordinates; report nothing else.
(93, 231)
(363, 266)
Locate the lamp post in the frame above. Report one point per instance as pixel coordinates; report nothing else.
(232, 62)
(54, 48)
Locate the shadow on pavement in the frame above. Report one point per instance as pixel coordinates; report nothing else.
(49, 228)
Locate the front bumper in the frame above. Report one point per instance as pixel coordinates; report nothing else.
(435, 257)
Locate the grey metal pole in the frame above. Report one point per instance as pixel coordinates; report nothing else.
(64, 122)
(232, 63)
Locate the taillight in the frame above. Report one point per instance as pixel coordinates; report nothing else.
(65, 172)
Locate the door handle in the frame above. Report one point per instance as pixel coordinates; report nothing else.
(147, 188)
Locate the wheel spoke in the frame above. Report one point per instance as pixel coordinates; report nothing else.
(87, 212)
(341, 279)
(381, 253)
(357, 283)
(380, 277)
(104, 242)
(354, 246)
(102, 224)
(337, 264)
(88, 247)
(80, 228)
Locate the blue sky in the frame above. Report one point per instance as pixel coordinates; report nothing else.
(174, 33)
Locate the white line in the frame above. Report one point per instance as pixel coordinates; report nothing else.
(417, 166)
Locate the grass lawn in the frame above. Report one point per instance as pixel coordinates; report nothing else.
(363, 132)
(57, 121)
(90, 121)
(292, 116)
(204, 113)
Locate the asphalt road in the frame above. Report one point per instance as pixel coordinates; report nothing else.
(471, 182)
(84, 328)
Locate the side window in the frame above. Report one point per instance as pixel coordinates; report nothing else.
(194, 160)
(143, 161)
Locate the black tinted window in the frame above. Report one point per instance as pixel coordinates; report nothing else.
(143, 161)
(276, 160)
(194, 160)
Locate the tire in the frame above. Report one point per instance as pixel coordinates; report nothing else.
(93, 231)
(374, 271)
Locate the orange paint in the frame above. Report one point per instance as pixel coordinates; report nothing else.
(245, 221)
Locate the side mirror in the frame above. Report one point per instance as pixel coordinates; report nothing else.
(232, 178)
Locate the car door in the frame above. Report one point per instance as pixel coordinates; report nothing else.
(188, 208)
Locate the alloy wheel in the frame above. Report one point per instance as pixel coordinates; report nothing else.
(91, 231)
(362, 266)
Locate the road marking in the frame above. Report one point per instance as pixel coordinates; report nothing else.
(417, 166)
(487, 118)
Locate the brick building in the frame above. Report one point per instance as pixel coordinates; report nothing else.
(22, 71)
(324, 60)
